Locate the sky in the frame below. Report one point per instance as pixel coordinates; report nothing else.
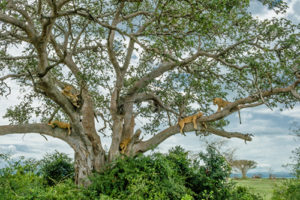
(271, 147)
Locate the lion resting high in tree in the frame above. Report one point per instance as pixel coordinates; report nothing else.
(189, 119)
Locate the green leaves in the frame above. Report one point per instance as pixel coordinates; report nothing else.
(3, 4)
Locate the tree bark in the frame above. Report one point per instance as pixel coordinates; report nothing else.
(244, 171)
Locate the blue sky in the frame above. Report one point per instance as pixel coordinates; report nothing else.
(271, 146)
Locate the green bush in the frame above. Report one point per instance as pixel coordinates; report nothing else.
(23, 179)
(170, 176)
(143, 177)
(243, 193)
(157, 176)
(56, 167)
(288, 190)
(19, 179)
(209, 180)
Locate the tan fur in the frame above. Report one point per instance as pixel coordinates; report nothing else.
(221, 103)
(67, 91)
(189, 119)
(124, 144)
(62, 125)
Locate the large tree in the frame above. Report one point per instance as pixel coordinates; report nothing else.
(147, 63)
(243, 166)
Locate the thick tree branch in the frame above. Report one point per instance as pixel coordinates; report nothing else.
(163, 135)
(38, 128)
(10, 20)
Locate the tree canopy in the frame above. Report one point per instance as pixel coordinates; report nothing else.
(243, 166)
(140, 66)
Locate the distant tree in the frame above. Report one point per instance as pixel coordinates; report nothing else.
(243, 166)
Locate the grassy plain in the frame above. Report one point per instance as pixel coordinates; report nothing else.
(261, 186)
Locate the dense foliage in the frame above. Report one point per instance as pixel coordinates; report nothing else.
(288, 190)
(158, 176)
(57, 167)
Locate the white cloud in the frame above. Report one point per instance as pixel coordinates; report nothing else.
(295, 113)
(267, 151)
(265, 13)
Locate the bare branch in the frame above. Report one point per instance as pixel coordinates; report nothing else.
(246, 137)
(12, 76)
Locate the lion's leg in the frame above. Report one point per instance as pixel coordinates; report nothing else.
(181, 125)
(69, 130)
(194, 122)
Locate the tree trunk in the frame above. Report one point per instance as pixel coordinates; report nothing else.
(87, 159)
(85, 163)
(244, 174)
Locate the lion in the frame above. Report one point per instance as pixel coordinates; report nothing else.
(62, 125)
(189, 119)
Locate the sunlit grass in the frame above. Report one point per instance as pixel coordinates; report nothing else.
(261, 186)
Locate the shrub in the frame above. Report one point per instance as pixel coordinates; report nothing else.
(209, 180)
(56, 167)
(22, 179)
(158, 176)
(243, 193)
(170, 176)
(143, 177)
(19, 179)
(288, 190)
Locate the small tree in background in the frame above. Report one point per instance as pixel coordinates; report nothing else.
(56, 167)
(243, 166)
